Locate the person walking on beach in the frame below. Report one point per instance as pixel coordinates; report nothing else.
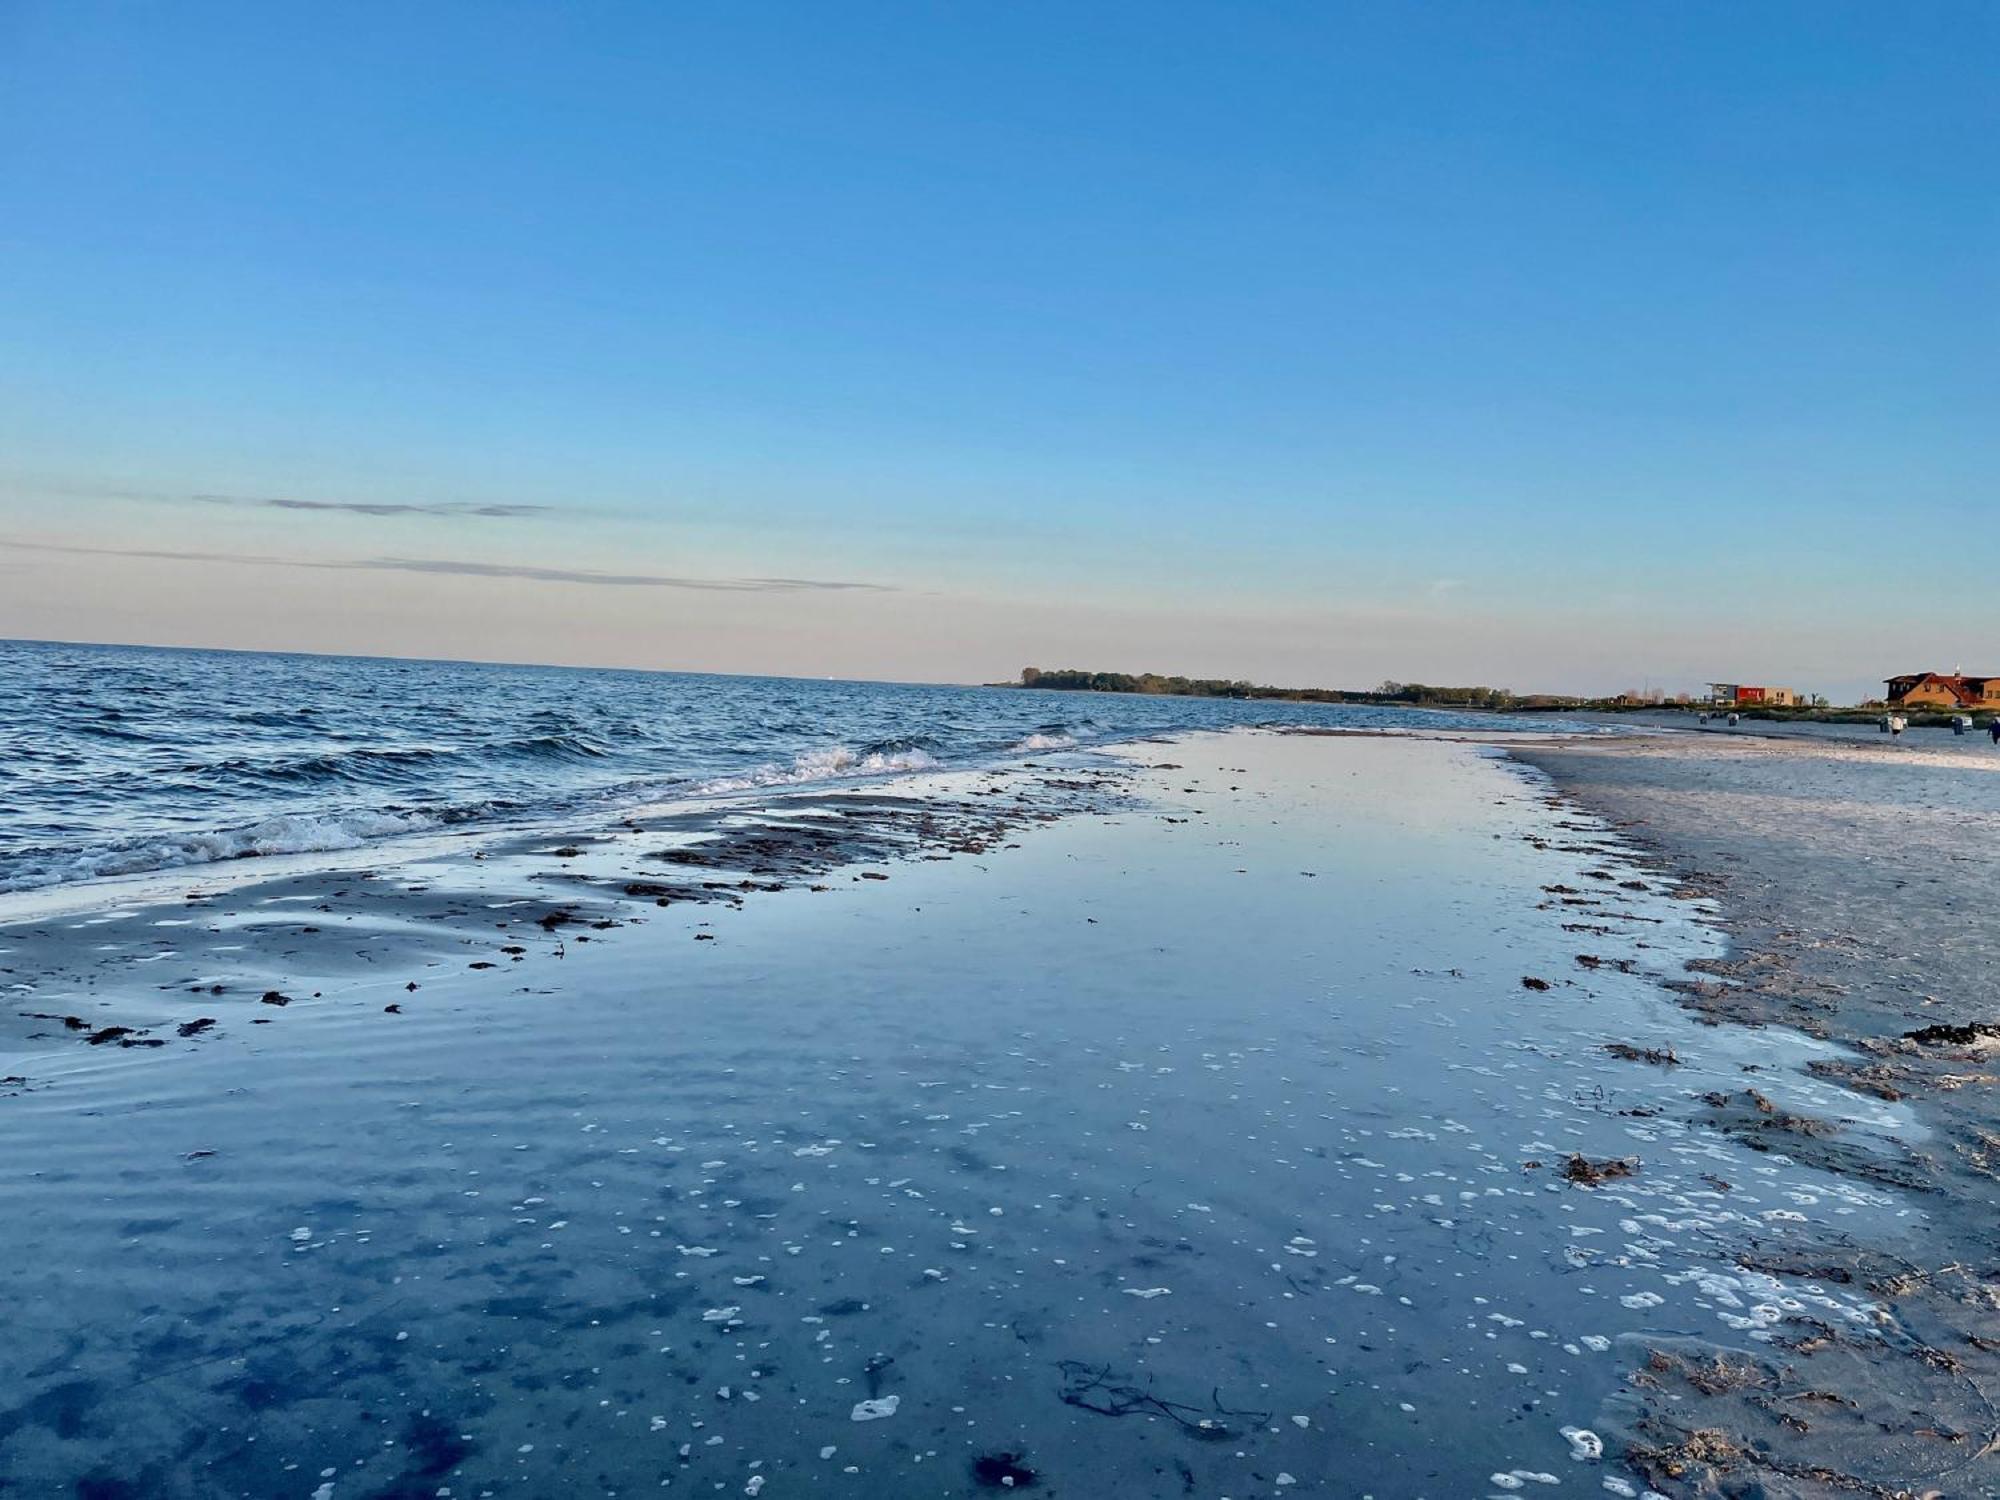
(1993, 728)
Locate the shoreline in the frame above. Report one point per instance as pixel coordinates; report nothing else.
(1855, 893)
(470, 838)
(1318, 1043)
(240, 927)
(176, 765)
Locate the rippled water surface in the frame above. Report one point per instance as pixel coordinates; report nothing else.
(119, 759)
(1208, 1148)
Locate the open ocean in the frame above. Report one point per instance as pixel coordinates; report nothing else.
(120, 759)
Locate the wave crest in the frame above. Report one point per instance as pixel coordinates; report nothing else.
(822, 765)
(294, 833)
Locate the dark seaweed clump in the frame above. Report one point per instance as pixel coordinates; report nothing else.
(1947, 1035)
(1581, 1169)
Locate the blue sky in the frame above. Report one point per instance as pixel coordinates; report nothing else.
(1565, 346)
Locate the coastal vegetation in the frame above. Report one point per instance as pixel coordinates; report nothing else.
(1071, 679)
(1426, 695)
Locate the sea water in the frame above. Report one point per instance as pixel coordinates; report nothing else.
(115, 760)
(1210, 1147)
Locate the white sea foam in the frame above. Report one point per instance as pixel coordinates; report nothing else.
(331, 832)
(820, 765)
(1046, 742)
(292, 833)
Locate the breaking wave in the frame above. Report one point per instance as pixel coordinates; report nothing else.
(822, 765)
(291, 833)
(331, 832)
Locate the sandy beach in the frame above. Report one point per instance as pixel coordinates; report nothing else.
(1252, 1114)
(1854, 879)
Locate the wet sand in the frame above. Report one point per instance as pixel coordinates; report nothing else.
(1254, 1115)
(1857, 882)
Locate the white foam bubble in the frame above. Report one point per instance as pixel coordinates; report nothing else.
(1585, 1446)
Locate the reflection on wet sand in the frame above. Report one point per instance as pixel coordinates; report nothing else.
(1210, 1144)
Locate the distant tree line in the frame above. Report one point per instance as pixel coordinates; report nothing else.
(1074, 680)
(1454, 697)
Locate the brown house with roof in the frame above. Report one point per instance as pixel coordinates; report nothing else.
(1943, 690)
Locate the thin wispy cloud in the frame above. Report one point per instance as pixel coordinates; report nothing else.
(499, 510)
(465, 569)
(585, 575)
(375, 507)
